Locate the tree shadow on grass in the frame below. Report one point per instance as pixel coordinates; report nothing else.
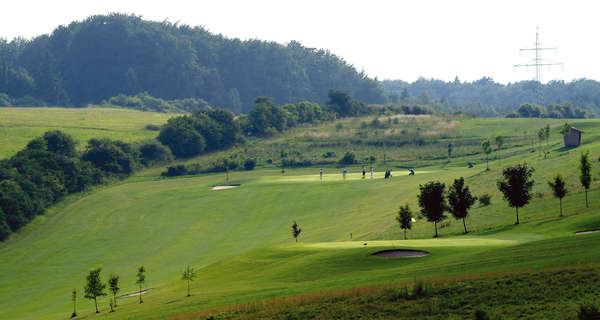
(496, 230)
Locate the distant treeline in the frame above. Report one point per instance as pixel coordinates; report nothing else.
(50, 168)
(105, 55)
(486, 98)
(556, 111)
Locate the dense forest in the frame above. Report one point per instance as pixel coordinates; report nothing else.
(104, 56)
(486, 98)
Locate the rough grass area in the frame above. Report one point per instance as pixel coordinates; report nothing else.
(550, 294)
(20, 125)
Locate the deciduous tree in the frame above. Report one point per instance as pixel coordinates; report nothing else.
(432, 202)
(113, 283)
(188, 275)
(74, 300)
(296, 230)
(585, 176)
(404, 218)
(516, 186)
(141, 280)
(460, 200)
(559, 188)
(487, 149)
(94, 287)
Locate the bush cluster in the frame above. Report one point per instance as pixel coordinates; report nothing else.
(50, 168)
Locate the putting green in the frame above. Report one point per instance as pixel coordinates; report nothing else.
(328, 177)
(448, 242)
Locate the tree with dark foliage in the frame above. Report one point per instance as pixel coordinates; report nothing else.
(432, 202)
(559, 188)
(404, 218)
(296, 230)
(516, 186)
(460, 200)
(585, 176)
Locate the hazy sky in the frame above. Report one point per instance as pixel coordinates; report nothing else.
(387, 39)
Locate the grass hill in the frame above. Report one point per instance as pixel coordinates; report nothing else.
(18, 126)
(240, 239)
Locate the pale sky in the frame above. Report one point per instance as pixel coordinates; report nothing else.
(387, 39)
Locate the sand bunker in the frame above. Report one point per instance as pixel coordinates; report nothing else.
(224, 187)
(135, 294)
(586, 232)
(401, 253)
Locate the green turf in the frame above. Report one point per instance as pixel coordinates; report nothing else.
(240, 239)
(20, 125)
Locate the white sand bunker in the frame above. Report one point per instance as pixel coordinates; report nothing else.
(586, 232)
(224, 187)
(135, 294)
(401, 253)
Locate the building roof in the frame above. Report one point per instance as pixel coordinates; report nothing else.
(580, 131)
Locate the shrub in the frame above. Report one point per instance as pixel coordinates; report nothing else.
(480, 315)
(249, 164)
(152, 127)
(339, 127)
(152, 152)
(348, 158)
(174, 171)
(328, 154)
(181, 137)
(485, 200)
(588, 313)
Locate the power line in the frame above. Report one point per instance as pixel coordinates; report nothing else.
(538, 62)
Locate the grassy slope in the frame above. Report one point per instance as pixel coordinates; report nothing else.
(20, 125)
(240, 238)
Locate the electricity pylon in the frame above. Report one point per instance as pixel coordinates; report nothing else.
(538, 62)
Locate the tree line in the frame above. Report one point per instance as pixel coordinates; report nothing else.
(515, 185)
(106, 55)
(564, 110)
(487, 98)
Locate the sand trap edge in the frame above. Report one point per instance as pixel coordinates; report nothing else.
(400, 253)
(135, 294)
(586, 232)
(225, 187)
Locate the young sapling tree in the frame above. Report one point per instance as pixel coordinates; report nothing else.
(113, 285)
(460, 200)
(189, 274)
(94, 287)
(559, 188)
(141, 280)
(296, 231)
(404, 218)
(585, 176)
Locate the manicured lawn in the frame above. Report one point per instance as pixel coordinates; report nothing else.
(240, 239)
